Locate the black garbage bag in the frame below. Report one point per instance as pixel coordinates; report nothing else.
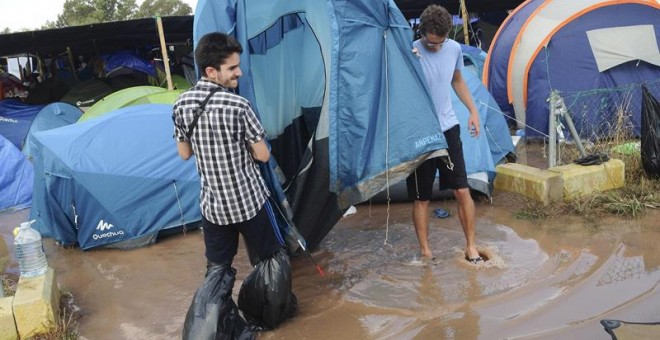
(265, 297)
(650, 134)
(213, 314)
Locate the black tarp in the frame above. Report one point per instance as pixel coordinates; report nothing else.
(413, 8)
(98, 38)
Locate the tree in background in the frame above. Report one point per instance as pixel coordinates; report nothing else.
(150, 8)
(84, 12)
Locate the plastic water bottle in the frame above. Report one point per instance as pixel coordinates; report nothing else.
(29, 251)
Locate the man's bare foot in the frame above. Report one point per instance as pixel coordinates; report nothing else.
(471, 253)
(426, 255)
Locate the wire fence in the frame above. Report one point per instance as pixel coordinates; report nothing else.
(603, 113)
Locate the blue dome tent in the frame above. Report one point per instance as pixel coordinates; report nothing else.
(113, 181)
(51, 116)
(339, 93)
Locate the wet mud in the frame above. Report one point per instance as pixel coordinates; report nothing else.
(546, 279)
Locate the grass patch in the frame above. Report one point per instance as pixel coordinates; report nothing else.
(8, 284)
(67, 326)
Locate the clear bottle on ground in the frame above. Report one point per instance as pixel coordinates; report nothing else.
(29, 251)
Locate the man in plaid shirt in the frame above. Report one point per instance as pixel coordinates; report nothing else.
(227, 140)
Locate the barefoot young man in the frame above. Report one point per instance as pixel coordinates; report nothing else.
(442, 61)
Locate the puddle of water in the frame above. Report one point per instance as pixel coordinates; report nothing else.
(544, 279)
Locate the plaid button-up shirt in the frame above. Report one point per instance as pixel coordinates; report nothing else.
(232, 187)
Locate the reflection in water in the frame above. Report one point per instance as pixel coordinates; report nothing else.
(622, 268)
(547, 279)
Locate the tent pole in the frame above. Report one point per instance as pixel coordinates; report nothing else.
(163, 50)
(466, 22)
(40, 66)
(73, 66)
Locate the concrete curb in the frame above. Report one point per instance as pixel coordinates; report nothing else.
(7, 326)
(565, 182)
(32, 310)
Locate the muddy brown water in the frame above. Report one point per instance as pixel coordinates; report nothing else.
(548, 279)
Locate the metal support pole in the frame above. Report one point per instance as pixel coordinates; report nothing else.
(571, 127)
(552, 132)
(557, 110)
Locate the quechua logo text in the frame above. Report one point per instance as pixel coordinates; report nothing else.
(104, 231)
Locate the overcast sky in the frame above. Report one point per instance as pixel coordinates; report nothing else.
(32, 14)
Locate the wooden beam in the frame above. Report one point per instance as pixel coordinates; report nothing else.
(163, 50)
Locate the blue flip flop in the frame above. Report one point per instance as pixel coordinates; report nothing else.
(441, 213)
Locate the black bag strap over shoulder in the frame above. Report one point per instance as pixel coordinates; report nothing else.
(200, 110)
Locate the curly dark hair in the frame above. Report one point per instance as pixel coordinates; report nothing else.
(435, 20)
(214, 48)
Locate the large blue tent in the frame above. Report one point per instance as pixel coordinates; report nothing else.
(113, 180)
(340, 94)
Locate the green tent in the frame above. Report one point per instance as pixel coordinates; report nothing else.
(118, 100)
(165, 97)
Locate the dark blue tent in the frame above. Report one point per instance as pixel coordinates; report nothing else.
(595, 53)
(16, 176)
(113, 180)
(127, 60)
(15, 120)
(340, 94)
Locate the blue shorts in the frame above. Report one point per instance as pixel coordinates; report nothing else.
(451, 168)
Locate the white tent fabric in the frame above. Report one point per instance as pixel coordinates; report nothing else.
(617, 45)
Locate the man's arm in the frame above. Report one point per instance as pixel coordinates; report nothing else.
(463, 93)
(259, 151)
(185, 150)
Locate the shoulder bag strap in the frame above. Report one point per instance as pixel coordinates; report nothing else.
(200, 110)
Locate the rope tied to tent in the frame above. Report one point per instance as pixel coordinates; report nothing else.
(178, 202)
(387, 138)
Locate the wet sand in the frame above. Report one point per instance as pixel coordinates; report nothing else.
(545, 279)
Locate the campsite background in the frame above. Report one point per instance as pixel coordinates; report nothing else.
(29, 15)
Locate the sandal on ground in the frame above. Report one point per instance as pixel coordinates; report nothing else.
(441, 213)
